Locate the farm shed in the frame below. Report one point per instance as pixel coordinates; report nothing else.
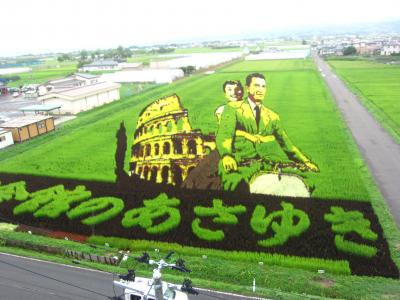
(6, 139)
(27, 127)
(75, 100)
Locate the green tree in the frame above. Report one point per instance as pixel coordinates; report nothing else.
(188, 70)
(64, 57)
(351, 50)
(83, 55)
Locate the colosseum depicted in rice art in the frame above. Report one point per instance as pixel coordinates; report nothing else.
(165, 147)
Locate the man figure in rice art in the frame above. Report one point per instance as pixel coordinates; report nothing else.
(250, 139)
(233, 91)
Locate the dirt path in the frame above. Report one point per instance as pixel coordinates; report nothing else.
(380, 151)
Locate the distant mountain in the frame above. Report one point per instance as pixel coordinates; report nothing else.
(383, 27)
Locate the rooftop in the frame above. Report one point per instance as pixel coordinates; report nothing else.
(82, 91)
(24, 121)
(40, 107)
(87, 89)
(102, 63)
(65, 82)
(86, 75)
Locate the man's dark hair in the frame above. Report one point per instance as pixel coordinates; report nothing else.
(253, 75)
(232, 82)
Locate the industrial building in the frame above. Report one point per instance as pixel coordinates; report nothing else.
(77, 99)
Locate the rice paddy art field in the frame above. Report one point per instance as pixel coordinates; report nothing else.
(85, 147)
(344, 228)
(377, 85)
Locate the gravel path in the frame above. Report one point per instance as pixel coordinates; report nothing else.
(380, 151)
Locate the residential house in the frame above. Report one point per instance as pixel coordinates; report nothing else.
(390, 49)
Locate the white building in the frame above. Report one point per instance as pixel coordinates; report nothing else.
(390, 49)
(7, 71)
(75, 80)
(289, 54)
(142, 76)
(197, 60)
(101, 65)
(130, 66)
(78, 99)
(6, 138)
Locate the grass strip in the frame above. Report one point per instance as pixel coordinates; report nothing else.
(313, 264)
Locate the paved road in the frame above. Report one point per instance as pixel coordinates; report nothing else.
(380, 151)
(22, 278)
(9, 106)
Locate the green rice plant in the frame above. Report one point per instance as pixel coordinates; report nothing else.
(312, 264)
(283, 230)
(62, 202)
(15, 190)
(350, 221)
(38, 199)
(344, 222)
(95, 205)
(206, 234)
(155, 208)
(377, 86)
(354, 248)
(223, 214)
(258, 221)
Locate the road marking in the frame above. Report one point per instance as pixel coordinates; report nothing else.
(54, 263)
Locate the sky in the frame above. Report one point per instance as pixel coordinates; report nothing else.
(40, 26)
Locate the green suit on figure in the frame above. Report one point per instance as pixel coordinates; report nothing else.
(250, 138)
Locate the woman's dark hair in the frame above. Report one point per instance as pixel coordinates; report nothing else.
(232, 82)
